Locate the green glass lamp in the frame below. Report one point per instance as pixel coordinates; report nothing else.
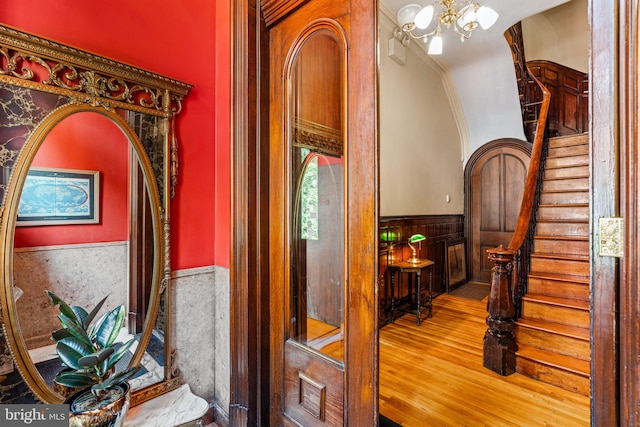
(416, 238)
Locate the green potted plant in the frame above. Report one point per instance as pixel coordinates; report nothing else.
(88, 351)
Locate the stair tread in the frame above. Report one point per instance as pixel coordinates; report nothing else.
(561, 237)
(554, 327)
(564, 257)
(575, 139)
(566, 221)
(570, 190)
(560, 361)
(563, 205)
(557, 301)
(560, 277)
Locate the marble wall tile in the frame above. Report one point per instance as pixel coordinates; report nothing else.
(80, 274)
(200, 299)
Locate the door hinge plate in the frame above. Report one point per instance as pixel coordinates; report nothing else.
(611, 237)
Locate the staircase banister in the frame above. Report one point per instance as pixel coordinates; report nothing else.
(528, 195)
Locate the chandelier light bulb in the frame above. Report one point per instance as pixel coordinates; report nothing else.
(424, 17)
(486, 17)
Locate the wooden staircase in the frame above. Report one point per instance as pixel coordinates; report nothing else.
(553, 331)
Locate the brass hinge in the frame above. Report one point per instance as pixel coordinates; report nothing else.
(611, 237)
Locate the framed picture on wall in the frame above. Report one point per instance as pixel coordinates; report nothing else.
(59, 197)
(456, 264)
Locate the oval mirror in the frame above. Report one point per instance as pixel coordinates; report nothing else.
(88, 166)
(86, 225)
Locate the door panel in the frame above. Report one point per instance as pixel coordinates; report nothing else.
(494, 181)
(322, 209)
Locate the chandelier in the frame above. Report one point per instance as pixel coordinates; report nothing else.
(415, 19)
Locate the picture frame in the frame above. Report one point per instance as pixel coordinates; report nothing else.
(456, 263)
(59, 197)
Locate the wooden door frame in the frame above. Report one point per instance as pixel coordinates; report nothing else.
(613, 132)
(249, 272)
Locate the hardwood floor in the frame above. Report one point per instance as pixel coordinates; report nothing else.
(432, 375)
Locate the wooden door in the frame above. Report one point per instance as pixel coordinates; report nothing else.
(322, 213)
(494, 182)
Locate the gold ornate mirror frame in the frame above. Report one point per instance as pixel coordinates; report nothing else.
(143, 105)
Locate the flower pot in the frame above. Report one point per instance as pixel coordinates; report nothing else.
(86, 411)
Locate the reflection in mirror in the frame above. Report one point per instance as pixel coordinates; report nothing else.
(317, 199)
(84, 262)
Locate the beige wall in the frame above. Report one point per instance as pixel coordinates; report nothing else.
(560, 35)
(420, 145)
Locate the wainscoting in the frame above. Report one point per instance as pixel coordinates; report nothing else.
(440, 230)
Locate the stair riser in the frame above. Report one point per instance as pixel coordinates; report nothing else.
(555, 313)
(574, 150)
(563, 197)
(563, 212)
(571, 267)
(571, 247)
(580, 229)
(569, 346)
(567, 141)
(557, 288)
(568, 172)
(572, 184)
(561, 162)
(550, 375)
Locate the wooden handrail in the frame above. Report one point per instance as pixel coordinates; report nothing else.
(528, 196)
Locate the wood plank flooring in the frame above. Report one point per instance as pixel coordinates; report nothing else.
(432, 375)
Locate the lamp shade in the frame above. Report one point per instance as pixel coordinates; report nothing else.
(417, 238)
(424, 17)
(435, 47)
(486, 17)
(468, 20)
(407, 14)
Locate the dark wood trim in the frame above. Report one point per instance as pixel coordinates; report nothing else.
(604, 132)
(274, 10)
(630, 187)
(247, 272)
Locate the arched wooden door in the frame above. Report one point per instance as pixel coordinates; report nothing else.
(494, 183)
(322, 213)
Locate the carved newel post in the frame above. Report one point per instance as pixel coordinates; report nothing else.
(499, 341)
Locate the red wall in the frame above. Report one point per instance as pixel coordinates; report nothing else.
(66, 147)
(186, 40)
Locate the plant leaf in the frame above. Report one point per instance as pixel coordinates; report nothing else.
(96, 309)
(76, 379)
(122, 350)
(107, 328)
(63, 306)
(80, 314)
(121, 376)
(74, 328)
(71, 350)
(60, 333)
(96, 358)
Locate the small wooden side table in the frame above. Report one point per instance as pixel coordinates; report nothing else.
(417, 301)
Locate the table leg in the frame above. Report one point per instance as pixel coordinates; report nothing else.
(430, 301)
(393, 299)
(419, 296)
